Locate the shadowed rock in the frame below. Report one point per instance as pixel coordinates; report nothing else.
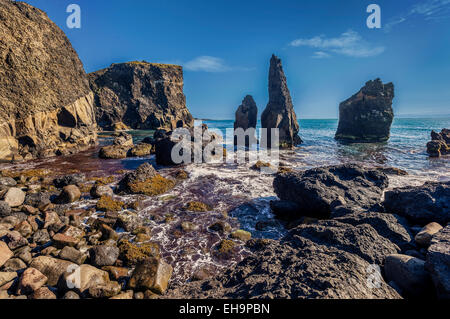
(279, 112)
(440, 143)
(246, 118)
(367, 116)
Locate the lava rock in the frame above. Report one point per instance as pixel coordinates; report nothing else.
(367, 116)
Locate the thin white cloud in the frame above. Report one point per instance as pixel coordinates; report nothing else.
(428, 10)
(207, 64)
(349, 43)
(321, 55)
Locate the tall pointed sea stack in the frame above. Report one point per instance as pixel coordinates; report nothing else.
(367, 116)
(46, 105)
(280, 113)
(246, 118)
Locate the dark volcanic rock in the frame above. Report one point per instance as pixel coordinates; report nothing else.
(279, 112)
(46, 105)
(440, 143)
(281, 270)
(141, 95)
(367, 116)
(246, 118)
(421, 204)
(438, 262)
(73, 179)
(318, 191)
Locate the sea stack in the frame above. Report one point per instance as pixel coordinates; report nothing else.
(279, 112)
(140, 95)
(367, 116)
(46, 104)
(440, 143)
(246, 118)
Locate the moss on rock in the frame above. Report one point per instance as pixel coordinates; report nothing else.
(154, 186)
(196, 206)
(133, 254)
(108, 204)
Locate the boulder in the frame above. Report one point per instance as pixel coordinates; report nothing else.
(5, 209)
(421, 204)
(5, 253)
(43, 293)
(14, 197)
(69, 194)
(246, 118)
(141, 95)
(318, 191)
(98, 191)
(113, 152)
(38, 199)
(6, 277)
(104, 255)
(7, 181)
(66, 180)
(438, 262)
(140, 150)
(367, 116)
(440, 143)
(14, 264)
(279, 113)
(423, 238)
(30, 281)
(73, 255)
(123, 139)
(52, 268)
(409, 275)
(151, 274)
(46, 108)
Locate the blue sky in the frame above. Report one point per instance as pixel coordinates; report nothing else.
(327, 49)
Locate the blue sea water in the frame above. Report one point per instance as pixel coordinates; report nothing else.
(406, 149)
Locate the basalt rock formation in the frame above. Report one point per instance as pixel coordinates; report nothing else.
(279, 113)
(246, 118)
(46, 104)
(140, 95)
(367, 116)
(440, 143)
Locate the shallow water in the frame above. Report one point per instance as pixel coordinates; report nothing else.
(245, 194)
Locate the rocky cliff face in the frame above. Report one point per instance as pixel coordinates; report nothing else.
(46, 105)
(440, 143)
(246, 117)
(367, 116)
(280, 113)
(141, 95)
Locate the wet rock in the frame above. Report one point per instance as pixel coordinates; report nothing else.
(196, 206)
(318, 191)
(421, 204)
(109, 204)
(246, 118)
(104, 255)
(14, 197)
(279, 113)
(140, 150)
(73, 255)
(440, 143)
(361, 240)
(189, 227)
(423, 238)
(152, 274)
(113, 152)
(5, 209)
(409, 274)
(241, 235)
(438, 262)
(226, 249)
(69, 195)
(66, 180)
(286, 210)
(30, 281)
(98, 191)
(42, 294)
(318, 272)
(144, 180)
(52, 268)
(6, 277)
(5, 253)
(220, 226)
(133, 254)
(367, 116)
